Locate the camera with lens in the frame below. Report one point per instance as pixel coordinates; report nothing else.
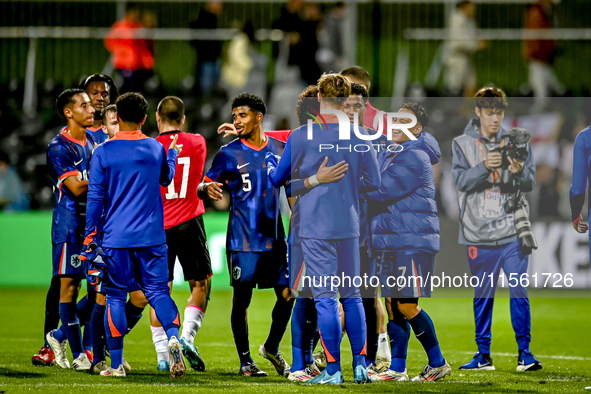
(516, 205)
(516, 147)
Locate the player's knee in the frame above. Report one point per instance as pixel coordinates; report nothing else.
(409, 310)
(69, 289)
(138, 299)
(101, 299)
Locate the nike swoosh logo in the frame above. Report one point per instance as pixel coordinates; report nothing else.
(242, 166)
(326, 381)
(418, 335)
(244, 354)
(78, 162)
(482, 365)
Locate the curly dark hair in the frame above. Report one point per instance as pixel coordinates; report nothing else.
(132, 107)
(359, 90)
(307, 99)
(66, 98)
(419, 111)
(255, 103)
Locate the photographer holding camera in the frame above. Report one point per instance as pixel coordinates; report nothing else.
(492, 168)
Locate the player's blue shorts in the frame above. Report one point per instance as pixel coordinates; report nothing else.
(100, 288)
(66, 259)
(332, 267)
(137, 269)
(406, 276)
(264, 270)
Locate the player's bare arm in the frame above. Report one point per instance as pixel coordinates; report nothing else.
(76, 185)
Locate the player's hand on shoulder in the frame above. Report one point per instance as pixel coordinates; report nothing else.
(227, 129)
(335, 173)
(173, 144)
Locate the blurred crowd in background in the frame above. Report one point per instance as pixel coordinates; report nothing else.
(275, 51)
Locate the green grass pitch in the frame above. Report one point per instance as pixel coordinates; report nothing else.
(560, 340)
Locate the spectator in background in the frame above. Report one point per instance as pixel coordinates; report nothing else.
(540, 54)
(132, 58)
(461, 43)
(12, 196)
(304, 52)
(332, 53)
(244, 69)
(207, 69)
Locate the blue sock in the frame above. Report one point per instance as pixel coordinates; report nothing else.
(116, 354)
(71, 327)
(399, 333)
(329, 324)
(98, 332)
(115, 324)
(298, 322)
(356, 329)
(84, 309)
(133, 315)
(310, 332)
(60, 335)
(424, 330)
(167, 314)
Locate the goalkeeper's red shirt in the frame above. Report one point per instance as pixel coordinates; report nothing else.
(180, 199)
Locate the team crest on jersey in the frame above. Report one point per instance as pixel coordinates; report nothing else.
(236, 273)
(75, 261)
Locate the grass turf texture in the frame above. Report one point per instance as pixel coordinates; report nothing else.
(560, 332)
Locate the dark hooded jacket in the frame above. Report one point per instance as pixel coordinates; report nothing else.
(404, 212)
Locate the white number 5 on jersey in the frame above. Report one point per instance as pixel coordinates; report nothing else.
(246, 184)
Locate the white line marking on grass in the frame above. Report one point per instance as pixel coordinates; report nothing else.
(556, 357)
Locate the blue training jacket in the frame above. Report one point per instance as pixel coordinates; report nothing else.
(404, 212)
(124, 191)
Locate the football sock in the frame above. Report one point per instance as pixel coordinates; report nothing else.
(424, 330)
(399, 332)
(52, 307)
(316, 334)
(280, 318)
(60, 335)
(115, 326)
(167, 314)
(98, 332)
(329, 324)
(133, 315)
(239, 321)
(160, 343)
(383, 347)
(356, 329)
(371, 319)
(192, 322)
(84, 309)
(298, 322)
(310, 331)
(71, 327)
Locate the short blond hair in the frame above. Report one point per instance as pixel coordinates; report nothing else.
(334, 89)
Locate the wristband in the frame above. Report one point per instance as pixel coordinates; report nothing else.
(313, 181)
